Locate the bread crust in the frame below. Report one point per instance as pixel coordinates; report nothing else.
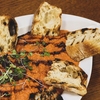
(66, 75)
(8, 34)
(83, 43)
(47, 20)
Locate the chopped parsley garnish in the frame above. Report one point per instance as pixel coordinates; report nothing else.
(37, 43)
(45, 53)
(40, 43)
(43, 43)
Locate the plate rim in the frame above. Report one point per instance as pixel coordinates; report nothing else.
(63, 15)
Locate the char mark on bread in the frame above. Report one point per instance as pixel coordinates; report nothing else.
(68, 76)
(83, 43)
(8, 34)
(12, 27)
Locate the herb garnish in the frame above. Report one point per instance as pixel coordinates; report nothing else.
(45, 53)
(14, 71)
(6, 94)
(43, 43)
(38, 43)
(12, 74)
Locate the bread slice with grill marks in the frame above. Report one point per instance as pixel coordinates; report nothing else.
(47, 20)
(8, 34)
(83, 43)
(49, 93)
(66, 75)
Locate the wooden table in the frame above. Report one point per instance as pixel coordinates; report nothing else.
(85, 8)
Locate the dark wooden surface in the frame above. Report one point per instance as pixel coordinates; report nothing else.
(85, 8)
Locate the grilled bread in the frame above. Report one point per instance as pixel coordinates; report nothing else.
(49, 93)
(67, 76)
(83, 43)
(8, 34)
(47, 20)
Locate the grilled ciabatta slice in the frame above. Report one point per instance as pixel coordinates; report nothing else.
(83, 43)
(47, 20)
(8, 34)
(67, 76)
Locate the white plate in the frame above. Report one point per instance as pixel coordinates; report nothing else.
(71, 23)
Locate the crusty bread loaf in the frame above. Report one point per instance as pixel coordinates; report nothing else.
(8, 34)
(83, 43)
(67, 76)
(47, 20)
